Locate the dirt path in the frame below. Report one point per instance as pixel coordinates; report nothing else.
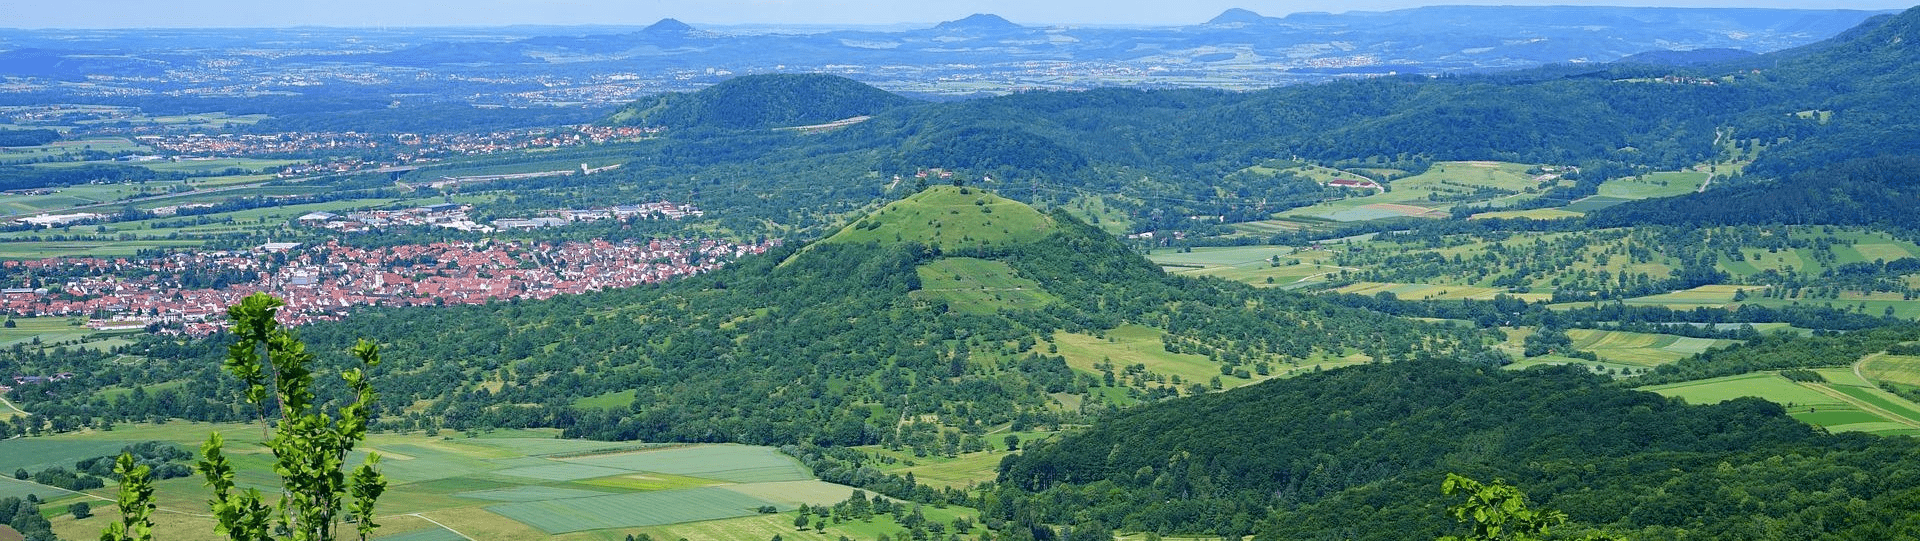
(9, 404)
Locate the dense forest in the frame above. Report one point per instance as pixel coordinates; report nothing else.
(1358, 453)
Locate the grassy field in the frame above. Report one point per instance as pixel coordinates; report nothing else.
(1901, 369)
(1845, 403)
(507, 484)
(1640, 349)
(951, 217)
(979, 286)
(960, 471)
(1430, 194)
(1134, 344)
(616, 400)
(1661, 184)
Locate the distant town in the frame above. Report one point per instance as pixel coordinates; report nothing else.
(325, 281)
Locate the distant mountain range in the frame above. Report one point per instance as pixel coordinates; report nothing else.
(1239, 49)
(1423, 39)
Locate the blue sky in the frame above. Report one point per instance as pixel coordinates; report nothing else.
(256, 13)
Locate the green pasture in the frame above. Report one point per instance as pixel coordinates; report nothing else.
(979, 286)
(1845, 403)
(1767, 385)
(616, 400)
(1134, 344)
(1660, 184)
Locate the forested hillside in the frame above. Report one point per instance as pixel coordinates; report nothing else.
(1359, 453)
(762, 101)
(1163, 157)
(833, 342)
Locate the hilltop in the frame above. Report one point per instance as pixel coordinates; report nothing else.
(978, 22)
(761, 101)
(950, 217)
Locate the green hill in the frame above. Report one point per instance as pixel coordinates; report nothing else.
(1359, 453)
(761, 101)
(950, 217)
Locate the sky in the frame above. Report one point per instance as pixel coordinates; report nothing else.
(355, 13)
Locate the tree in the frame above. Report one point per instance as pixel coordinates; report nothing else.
(1498, 512)
(80, 510)
(1013, 442)
(309, 444)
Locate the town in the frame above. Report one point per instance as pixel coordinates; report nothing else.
(325, 281)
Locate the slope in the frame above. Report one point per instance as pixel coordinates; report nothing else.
(950, 217)
(834, 342)
(1358, 453)
(761, 101)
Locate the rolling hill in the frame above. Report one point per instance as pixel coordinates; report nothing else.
(762, 101)
(1359, 453)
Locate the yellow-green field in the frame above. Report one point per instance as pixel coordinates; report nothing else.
(1640, 349)
(1901, 369)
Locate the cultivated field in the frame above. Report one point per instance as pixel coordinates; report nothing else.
(508, 485)
(1845, 403)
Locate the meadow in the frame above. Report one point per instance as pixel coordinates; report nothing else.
(1249, 264)
(1430, 194)
(979, 286)
(950, 217)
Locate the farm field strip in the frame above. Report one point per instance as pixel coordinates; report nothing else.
(630, 510)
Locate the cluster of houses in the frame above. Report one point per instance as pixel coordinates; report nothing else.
(453, 216)
(322, 282)
(447, 215)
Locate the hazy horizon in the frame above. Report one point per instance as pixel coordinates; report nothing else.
(108, 14)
